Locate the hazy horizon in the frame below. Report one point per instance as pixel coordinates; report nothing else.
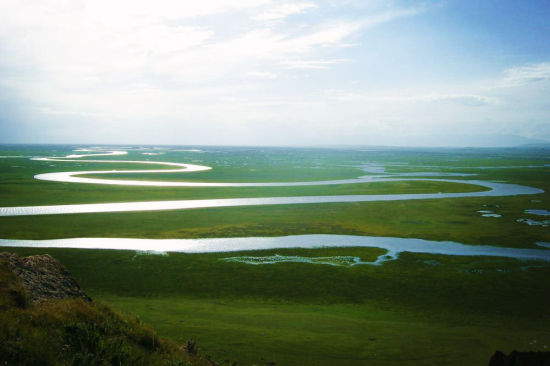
(100, 145)
(275, 73)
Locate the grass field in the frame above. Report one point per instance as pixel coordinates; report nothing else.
(448, 219)
(417, 310)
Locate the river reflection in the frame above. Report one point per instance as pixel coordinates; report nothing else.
(394, 246)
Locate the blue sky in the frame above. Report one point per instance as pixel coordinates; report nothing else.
(263, 72)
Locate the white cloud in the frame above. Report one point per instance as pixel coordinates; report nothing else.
(415, 96)
(279, 12)
(262, 75)
(464, 99)
(517, 76)
(229, 67)
(100, 43)
(311, 64)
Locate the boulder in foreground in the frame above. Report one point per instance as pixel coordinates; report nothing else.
(44, 278)
(46, 319)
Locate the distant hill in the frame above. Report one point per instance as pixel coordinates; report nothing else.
(453, 140)
(486, 140)
(46, 319)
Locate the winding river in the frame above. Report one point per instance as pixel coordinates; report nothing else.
(393, 246)
(495, 189)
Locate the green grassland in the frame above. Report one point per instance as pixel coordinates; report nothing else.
(440, 219)
(19, 188)
(51, 193)
(418, 310)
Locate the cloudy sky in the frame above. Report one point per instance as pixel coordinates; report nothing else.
(275, 72)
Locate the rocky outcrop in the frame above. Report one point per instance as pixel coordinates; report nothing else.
(44, 278)
(516, 358)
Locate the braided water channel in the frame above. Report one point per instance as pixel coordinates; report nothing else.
(394, 246)
(494, 189)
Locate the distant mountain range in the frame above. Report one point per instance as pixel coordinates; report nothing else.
(476, 140)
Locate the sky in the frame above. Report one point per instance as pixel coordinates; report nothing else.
(275, 72)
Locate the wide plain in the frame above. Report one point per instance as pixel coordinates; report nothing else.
(419, 310)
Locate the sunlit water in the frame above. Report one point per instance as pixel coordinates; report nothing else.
(495, 189)
(531, 222)
(538, 212)
(489, 213)
(393, 246)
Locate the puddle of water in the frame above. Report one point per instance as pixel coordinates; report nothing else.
(344, 261)
(432, 262)
(488, 213)
(538, 212)
(526, 268)
(504, 270)
(373, 168)
(543, 223)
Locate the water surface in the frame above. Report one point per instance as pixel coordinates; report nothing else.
(393, 246)
(538, 212)
(495, 189)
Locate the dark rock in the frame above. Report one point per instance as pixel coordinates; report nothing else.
(520, 359)
(498, 359)
(44, 278)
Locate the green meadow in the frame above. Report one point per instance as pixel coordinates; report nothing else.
(417, 310)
